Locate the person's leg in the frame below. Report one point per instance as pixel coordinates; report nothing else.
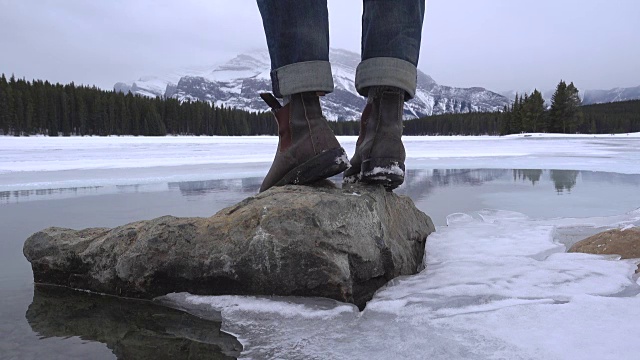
(391, 35)
(387, 76)
(297, 34)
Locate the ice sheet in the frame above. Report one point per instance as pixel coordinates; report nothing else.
(40, 162)
(496, 286)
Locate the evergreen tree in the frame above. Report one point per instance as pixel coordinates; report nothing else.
(505, 123)
(558, 111)
(153, 124)
(10, 113)
(565, 115)
(83, 118)
(65, 114)
(515, 120)
(28, 116)
(41, 107)
(4, 106)
(532, 112)
(575, 117)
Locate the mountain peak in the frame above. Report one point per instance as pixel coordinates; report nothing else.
(237, 83)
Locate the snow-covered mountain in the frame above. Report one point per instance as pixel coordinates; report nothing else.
(238, 82)
(605, 96)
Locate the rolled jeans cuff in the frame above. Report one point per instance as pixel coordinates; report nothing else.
(303, 76)
(387, 71)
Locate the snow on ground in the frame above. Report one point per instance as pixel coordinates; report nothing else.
(44, 162)
(496, 286)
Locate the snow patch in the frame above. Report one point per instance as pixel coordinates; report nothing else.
(393, 169)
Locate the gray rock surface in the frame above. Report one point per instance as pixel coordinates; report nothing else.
(342, 244)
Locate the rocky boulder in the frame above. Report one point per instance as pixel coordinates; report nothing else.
(625, 243)
(342, 244)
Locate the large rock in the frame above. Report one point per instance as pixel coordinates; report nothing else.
(625, 243)
(337, 243)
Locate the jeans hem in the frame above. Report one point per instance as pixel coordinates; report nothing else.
(303, 76)
(387, 71)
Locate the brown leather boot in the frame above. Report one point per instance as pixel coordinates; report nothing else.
(380, 155)
(308, 150)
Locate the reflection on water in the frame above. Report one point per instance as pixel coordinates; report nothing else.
(564, 180)
(418, 183)
(532, 175)
(421, 182)
(533, 192)
(195, 188)
(7, 197)
(131, 329)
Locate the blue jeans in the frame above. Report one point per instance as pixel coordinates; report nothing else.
(297, 34)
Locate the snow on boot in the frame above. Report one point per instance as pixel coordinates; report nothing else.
(308, 150)
(380, 155)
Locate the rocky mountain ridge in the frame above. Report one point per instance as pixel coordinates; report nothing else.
(612, 95)
(238, 82)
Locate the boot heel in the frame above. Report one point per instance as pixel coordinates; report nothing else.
(387, 172)
(321, 166)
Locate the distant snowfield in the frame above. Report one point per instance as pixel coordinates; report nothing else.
(497, 285)
(46, 162)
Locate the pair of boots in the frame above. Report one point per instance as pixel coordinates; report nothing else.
(308, 150)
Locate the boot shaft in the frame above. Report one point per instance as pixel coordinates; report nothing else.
(307, 149)
(302, 125)
(382, 124)
(380, 154)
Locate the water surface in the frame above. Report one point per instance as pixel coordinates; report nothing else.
(42, 322)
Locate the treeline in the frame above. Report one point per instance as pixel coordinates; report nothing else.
(612, 118)
(32, 108)
(37, 107)
(475, 123)
(529, 113)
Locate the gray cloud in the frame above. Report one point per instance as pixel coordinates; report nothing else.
(498, 44)
(520, 44)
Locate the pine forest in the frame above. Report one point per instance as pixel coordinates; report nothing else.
(41, 108)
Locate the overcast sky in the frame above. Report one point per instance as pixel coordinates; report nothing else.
(497, 44)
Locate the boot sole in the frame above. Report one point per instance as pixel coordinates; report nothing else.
(319, 167)
(351, 175)
(351, 179)
(387, 172)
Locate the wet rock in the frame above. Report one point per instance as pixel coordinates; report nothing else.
(625, 243)
(342, 244)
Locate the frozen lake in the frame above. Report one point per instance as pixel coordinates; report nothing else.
(498, 283)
